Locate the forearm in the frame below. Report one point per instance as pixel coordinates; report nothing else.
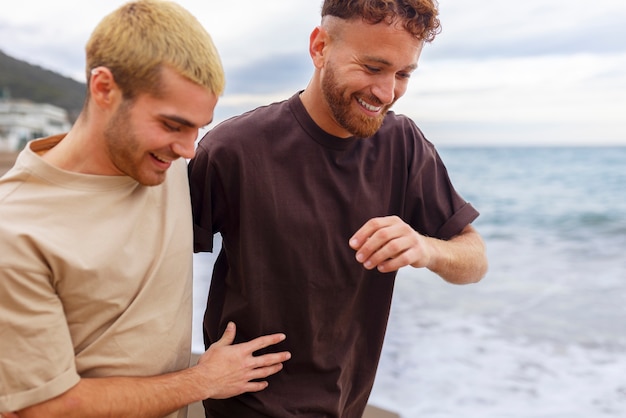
(132, 397)
(223, 371)
(460, 260)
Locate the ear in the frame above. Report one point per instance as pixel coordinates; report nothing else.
(103, 89)
(317, 46)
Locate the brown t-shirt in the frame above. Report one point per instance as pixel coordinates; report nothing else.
(286, 197)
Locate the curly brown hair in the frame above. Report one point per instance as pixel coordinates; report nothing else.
(419, 17)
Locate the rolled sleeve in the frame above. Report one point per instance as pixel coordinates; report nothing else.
(461, 218)
(36, 353)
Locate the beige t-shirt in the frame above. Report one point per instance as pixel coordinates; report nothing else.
(95, 278)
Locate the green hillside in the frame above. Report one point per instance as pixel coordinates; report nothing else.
(22, 80)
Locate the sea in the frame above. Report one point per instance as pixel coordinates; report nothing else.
(543, 335)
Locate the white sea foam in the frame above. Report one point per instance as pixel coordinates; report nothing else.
(450, 363)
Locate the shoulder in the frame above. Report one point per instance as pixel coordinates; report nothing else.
(401, 131)
(255, 119)
(249, 129)
(401, 124)
(13, 180)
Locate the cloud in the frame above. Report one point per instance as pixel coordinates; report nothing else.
(490, 28)
(58, 50)
(265, 75)
(539, 99)
(501, 71)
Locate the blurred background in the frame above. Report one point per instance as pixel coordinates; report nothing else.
(525, 102)
(501, 71)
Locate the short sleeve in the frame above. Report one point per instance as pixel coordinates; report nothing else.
(200, 178)
(36, 351)
(433, 205)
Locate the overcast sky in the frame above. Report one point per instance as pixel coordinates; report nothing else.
(501, 72)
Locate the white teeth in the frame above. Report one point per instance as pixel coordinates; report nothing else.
(160, 159)
(368, 106)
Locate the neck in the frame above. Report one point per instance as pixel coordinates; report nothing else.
(79, 151)
(316, 107)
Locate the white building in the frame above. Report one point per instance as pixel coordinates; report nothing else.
(22, 120)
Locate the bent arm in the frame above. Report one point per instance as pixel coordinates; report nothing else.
(120, 397)
(389, 243)
(460, 260)
(223, 371)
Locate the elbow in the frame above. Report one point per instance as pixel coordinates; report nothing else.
(467, 278)
(479, 271)
(470, 273)
(477, 275)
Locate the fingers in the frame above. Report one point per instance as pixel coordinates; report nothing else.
(361, 236)
(267, 361)
(264, 341)
(390, 257)
(374, 241)
(377, 231)
(255, 386)
(229, 335)
(386, 243)
(263, 372)
(261, 367)
(230, 369)
(250, 347)
(254, 345)
(271, 360)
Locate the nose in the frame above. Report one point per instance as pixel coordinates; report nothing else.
(385, 89)
(186, 147)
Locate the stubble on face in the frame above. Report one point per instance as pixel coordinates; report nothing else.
(123, 148)
(341, 105)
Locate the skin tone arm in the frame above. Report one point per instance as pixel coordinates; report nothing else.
(388, 244)
(223, 371)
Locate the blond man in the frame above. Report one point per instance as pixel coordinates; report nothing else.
(96, 238)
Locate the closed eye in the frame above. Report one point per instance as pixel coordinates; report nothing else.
(175, 123)
(171, 127)
(372, 69)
